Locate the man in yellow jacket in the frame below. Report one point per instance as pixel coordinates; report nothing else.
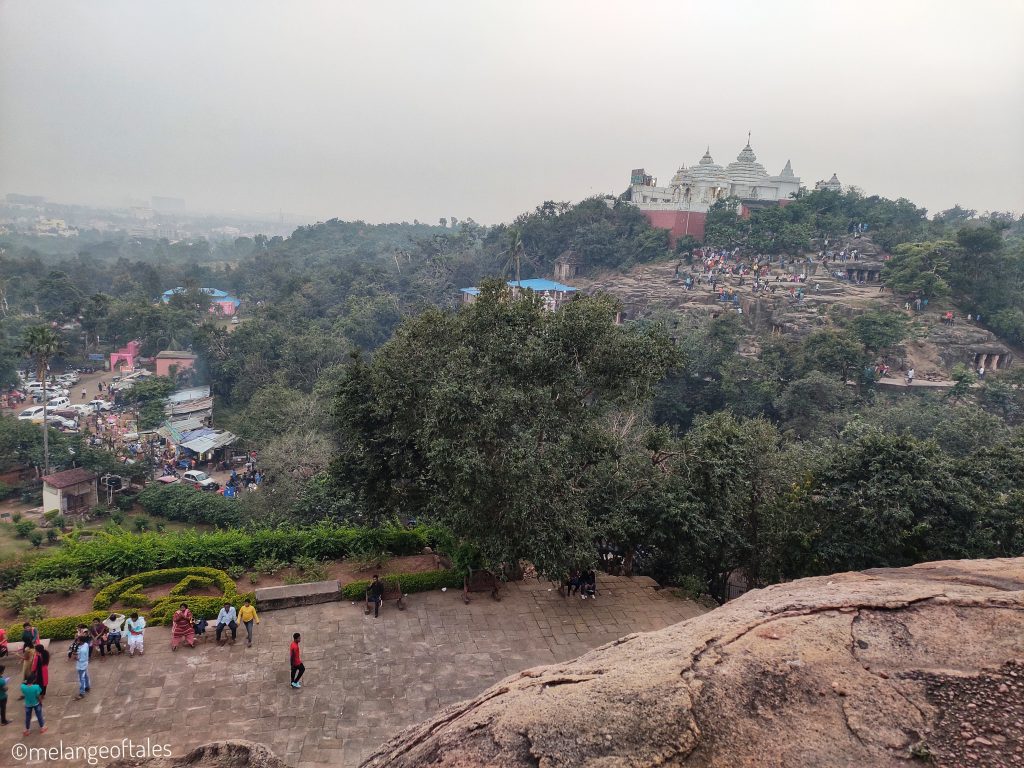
(247, 615)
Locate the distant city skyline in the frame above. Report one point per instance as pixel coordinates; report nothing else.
(403, 111)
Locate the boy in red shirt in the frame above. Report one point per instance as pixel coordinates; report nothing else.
(296, 661)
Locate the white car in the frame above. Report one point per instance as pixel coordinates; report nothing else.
(59, 402)
(35, 413)
(200, 480)
(101, 405)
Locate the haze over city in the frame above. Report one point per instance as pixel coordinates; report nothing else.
(406, 110)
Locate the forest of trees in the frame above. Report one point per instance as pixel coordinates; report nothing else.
(534, 436)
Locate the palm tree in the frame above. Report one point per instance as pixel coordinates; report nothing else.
(42, 344)
(515, 253)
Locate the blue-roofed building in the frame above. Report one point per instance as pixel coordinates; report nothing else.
(553, 293)
(221, 302)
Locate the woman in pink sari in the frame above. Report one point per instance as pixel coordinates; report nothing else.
(182, 628)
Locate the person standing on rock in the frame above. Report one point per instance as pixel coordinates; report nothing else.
(295, 661)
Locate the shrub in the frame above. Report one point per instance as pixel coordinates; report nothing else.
(16, 517)
(310, 568)
(235, 571)
(35, 536)
(59, 521)
(254, 577)
(100, 510)
(411, 582)
(33, 613)
(141, 524)
(11, 573)
(267, 566)
(102, 579)
(52, 535)
(66, 585)
(182, 503)
(125, 502)
(51, 515)
(23, 595)
(117, 518)
(23, 528)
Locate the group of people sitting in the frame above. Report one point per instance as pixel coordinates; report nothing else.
(104, 635)
(187, 628)
(584, 582)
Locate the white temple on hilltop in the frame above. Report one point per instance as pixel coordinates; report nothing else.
(681, 206)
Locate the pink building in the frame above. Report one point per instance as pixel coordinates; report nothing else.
(125, 356)
(180, 361)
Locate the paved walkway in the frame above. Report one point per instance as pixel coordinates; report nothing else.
(365, 678)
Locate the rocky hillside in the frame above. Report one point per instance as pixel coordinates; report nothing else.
(882, 668)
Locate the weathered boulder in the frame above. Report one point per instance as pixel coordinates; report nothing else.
(220, 754)
(858, 669)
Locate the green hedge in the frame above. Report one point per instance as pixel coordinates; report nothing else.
(62, 628)
(187, 505)
(123, 553)
(411, 582)
(189, 583)
(133, 585)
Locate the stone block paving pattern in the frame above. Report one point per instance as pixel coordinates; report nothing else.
(365, 678)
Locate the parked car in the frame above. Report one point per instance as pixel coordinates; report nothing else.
(100, 404)
(59, 402)
(35, 413)
(60, 421)
(235, 320)
(200, 480)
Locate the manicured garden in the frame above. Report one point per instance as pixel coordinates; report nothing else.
(121, 570)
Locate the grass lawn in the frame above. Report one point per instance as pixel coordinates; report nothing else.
(10, 545)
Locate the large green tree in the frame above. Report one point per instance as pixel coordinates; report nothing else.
(491, 421)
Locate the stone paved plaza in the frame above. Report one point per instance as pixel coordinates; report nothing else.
(365, 678)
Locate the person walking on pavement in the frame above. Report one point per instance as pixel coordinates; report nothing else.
(376, 593)
(247, 615)
(82, 667)
(295, 660)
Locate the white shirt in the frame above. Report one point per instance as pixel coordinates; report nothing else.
(115, 624)
(227, 615)
(135, 626)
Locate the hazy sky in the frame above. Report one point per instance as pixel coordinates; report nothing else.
(400, 110)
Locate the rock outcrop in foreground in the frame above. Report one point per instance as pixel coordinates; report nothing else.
(888, 667)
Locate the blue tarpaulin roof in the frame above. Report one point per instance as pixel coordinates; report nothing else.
(538, 284)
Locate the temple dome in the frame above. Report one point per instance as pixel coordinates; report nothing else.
(787, 172)
(707, 171)
(746, 169)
